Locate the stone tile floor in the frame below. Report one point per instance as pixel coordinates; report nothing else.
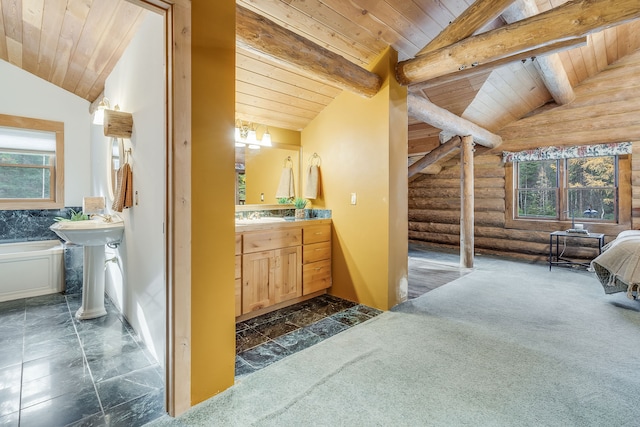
(59, 371)
(266, 339)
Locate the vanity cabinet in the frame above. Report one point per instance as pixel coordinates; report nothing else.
(271, 268)
(316, 258)
(238, 275)
(277, 265)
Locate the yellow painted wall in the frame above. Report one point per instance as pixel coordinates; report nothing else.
(213, 201)
(264, 166)
(363, 146)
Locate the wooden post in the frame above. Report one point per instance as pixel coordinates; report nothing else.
(466, 204)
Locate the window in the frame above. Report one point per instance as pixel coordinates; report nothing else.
(31, 163)
(566, 189)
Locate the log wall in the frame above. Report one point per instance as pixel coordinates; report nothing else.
(434, 213)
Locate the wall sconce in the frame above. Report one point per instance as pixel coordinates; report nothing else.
(245, 134)
(117, 124)
(98, 115)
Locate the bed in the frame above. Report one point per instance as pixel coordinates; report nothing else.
(618, 266)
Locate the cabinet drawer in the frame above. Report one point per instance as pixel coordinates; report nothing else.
(238, 244)
(271, 239)
(316, 252)
(316, 276)
(317, 233)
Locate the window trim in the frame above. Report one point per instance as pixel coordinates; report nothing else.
(57, 199)
(610, 228)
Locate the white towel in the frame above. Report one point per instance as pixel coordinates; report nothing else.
(312, 185)
(286, 187)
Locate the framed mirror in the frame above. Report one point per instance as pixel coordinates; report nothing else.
(114, 155)
(258, 172)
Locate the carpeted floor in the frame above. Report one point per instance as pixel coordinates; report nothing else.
(509, 344)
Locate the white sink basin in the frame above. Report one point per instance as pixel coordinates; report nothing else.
(93, 235)
(263, 220)
(95, 232)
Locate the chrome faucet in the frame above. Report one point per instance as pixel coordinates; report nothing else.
(107, 218)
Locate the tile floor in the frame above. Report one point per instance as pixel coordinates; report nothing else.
(266, 339)
(58, 371)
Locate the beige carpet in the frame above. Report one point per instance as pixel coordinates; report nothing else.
(510, 344)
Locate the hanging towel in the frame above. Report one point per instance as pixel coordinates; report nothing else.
(312, 185)
(124, 193)
(286, 187)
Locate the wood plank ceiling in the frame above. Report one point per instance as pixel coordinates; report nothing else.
(75, 44)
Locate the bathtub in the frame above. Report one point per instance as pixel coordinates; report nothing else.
(29, 269)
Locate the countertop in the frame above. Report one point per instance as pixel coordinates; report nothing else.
(272, 223)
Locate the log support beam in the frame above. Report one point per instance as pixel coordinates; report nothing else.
(434, 155)
(550, 66)
(421, 109)
(256, 33)
(472, 19)
(571, 20)
(538, 54)
(467, 203)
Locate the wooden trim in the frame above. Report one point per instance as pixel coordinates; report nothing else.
(610, 229)
(57, 178)
(179, 204)
(177, 18)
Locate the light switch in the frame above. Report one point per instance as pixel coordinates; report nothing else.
(354, 198)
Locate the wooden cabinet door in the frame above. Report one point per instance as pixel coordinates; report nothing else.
(238, 285)
(288, 273)
(258, 288)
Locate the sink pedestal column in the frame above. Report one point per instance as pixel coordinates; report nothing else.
(92, 284)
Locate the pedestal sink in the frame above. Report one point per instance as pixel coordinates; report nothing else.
(93, 235)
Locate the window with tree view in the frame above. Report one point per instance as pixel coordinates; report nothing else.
(30, 165)
(581, 188)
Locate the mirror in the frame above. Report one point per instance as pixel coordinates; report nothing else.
(258, 173)
(114, 155)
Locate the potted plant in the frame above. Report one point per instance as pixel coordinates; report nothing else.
(75, 216)
(299, 203)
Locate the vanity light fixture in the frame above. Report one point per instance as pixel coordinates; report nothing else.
(245, 134)
(98, 116)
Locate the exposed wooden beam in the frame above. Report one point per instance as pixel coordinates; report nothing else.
(466, 203)
(570, 20)
(266, 38)
(550, 67)
(440, 118)
(467, 23)
(435, 155)
(487, 68)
